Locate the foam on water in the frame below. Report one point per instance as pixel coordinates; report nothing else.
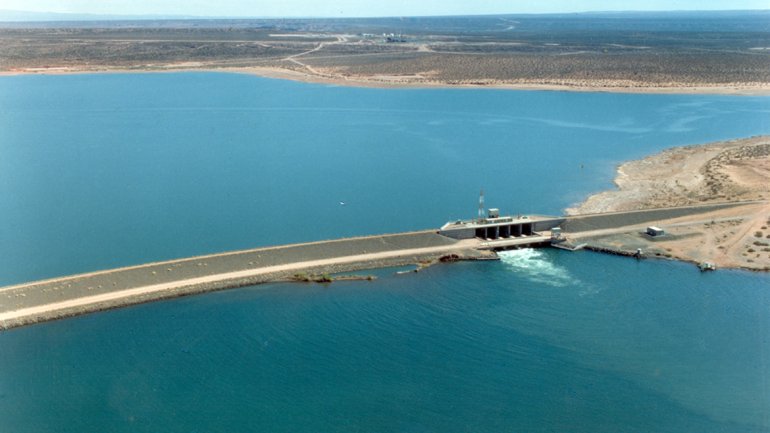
(536, 266)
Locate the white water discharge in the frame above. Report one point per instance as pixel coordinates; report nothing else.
(535, 265)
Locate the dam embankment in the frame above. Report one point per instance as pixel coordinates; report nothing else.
(612, 220)
(79, 294)
(73, 295)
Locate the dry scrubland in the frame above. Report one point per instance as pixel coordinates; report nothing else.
(579, 69)
(610, 61)
(729, 171)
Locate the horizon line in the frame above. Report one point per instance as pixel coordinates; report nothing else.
(170, 17)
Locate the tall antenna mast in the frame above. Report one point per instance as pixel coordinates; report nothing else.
(481, 205)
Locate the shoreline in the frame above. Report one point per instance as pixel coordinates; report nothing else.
(396, 82)
(732, 171)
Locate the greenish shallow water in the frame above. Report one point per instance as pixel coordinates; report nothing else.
(101, 171)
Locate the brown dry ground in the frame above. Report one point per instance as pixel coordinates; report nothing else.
(728, 171)
(430, 60)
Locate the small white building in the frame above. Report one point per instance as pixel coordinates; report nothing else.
(655, 231)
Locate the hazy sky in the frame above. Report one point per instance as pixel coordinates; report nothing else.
(342, 8)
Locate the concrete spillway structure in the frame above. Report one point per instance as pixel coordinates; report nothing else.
(496, 232)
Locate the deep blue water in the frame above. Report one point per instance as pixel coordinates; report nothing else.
(110, 170)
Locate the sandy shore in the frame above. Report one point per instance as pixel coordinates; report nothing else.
(331, 77)
(382, 81)
(728, 171)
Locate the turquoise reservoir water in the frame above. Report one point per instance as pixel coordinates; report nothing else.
(103, 171)
(109, 170)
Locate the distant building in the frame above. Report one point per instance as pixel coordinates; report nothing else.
(392, 37)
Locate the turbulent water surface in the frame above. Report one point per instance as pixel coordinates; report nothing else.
(110, 170)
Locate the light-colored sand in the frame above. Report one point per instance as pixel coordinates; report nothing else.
(332, 76)
(736, 170)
